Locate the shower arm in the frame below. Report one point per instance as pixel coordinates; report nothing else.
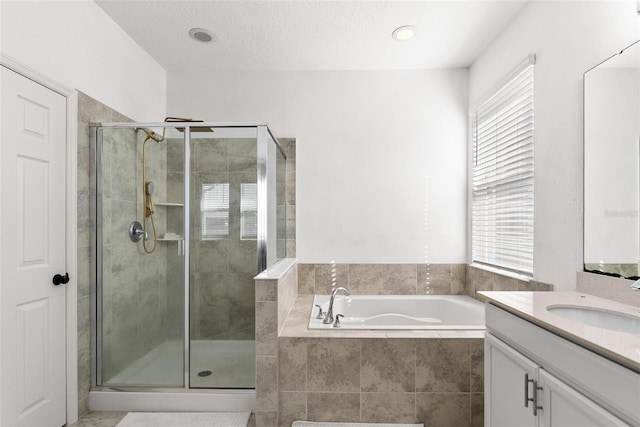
(152, 135)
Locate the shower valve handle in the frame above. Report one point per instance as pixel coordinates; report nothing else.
(59, 279)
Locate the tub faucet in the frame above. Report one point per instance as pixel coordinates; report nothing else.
(328, 318)
(636, 285)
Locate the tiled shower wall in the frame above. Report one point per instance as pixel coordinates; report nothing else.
(289, 148)
(222, 271)
(134, 283)
(89, 111)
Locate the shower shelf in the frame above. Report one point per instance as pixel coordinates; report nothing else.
(171, 239)
(168, 204)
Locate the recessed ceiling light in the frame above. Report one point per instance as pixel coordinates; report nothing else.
(404, 33)
(201, 35)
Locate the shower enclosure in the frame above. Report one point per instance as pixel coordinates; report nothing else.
(187, 213)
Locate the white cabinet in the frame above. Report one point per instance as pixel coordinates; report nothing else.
(557, 386)
(518, 392)
(507, 373)
(564, 406)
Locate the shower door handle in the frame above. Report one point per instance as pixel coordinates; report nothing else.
(181, 247)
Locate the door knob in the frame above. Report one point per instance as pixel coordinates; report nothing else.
(59, 279)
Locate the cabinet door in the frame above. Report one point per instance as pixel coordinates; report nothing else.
(506, 386)
(565, 407)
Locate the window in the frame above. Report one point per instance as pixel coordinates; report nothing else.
(214, 207)
(248, 211)
(502, 178)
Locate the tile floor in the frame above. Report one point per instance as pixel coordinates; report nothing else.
(99, 419)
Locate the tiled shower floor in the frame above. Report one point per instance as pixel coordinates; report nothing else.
(231, 363)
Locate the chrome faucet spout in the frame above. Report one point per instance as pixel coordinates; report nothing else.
(328, 318)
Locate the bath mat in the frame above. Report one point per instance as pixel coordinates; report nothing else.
(185, 419)
(328, 424)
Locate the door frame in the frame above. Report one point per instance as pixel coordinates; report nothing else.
(71, 225)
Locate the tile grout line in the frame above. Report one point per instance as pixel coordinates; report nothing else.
(360, 383)
(415, 380)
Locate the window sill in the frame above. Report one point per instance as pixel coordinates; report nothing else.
(506, 273)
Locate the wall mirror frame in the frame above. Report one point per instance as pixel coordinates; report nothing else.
(612, 165)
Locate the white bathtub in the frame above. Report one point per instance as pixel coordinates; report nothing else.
(401, 312)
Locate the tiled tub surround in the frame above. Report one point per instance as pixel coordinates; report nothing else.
(408, 279)
(353, 375)
(438, 382)
(276, 291)
(429, 376)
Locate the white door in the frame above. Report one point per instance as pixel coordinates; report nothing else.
(32, 251)
(562, 406)
(509, 387)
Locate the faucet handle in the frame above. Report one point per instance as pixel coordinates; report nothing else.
(320, 312)
(336, 324)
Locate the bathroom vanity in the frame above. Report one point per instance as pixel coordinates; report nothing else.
(551, 360)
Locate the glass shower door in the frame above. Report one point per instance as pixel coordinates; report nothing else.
(223, 257)
(140, 286)
(186, 218)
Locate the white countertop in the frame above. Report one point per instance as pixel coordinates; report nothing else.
(622, 347)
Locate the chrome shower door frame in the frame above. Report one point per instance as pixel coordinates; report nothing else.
(263, 136)
(261, 238)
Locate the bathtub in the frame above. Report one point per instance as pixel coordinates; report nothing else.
(431, 312)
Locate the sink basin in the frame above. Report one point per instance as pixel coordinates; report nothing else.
(598, 318)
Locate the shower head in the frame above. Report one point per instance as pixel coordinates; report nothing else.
(152, 135)
(193, 129)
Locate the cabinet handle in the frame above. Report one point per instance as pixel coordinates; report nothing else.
(535, 398)
(527, 399)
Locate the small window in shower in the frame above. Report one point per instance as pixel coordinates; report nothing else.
(214, 206)
(248, 211)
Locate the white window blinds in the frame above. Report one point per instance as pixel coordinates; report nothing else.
(502, 179)
(248, 211)
(214, 206)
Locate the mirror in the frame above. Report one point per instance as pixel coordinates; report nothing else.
(612, 165)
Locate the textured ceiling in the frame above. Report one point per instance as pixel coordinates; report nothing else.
(312, 35)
